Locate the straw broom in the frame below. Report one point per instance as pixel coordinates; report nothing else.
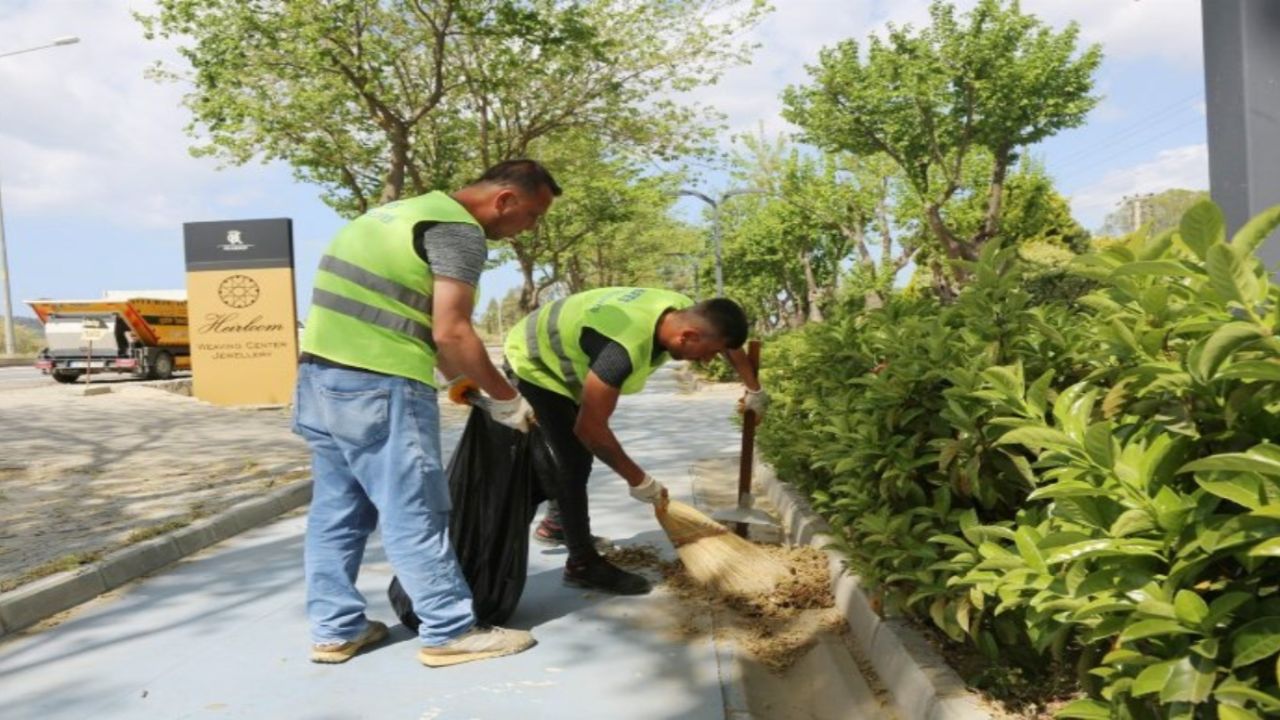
(715, 557)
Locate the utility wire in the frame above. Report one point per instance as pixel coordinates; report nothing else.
(1080, 171)
(1137, 129)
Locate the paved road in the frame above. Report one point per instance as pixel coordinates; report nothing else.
(21, 377)
(14, 378)
(223, 634)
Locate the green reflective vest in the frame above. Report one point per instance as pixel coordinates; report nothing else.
(545, 348)
(371, 306)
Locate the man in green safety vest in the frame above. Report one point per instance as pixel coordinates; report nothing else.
(392, 302)
(575, 357)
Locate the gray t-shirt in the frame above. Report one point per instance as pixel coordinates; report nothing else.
(453, 250)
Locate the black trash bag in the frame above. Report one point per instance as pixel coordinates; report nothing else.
(497, 478)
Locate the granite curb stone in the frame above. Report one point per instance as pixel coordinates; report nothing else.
(38, 600)
(31, 603)
(921, 684)
(732, 689)
(124, 565)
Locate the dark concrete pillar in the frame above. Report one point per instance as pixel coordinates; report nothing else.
(1242, 92)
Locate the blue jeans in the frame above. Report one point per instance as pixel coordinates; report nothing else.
(375, 454)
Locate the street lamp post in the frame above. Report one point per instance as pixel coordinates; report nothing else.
(694, 264)
(715, 225)
(4, 255)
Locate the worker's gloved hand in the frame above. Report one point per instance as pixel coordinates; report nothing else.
(458, 388)
(514, 413)
(651, 491)
(756, 401)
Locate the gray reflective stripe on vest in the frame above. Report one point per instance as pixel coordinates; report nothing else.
(376, 283)
(372, 315)
(557, 341)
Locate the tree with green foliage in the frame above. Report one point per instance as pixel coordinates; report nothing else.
(1160, 211)
(28, 336)
(610, 227)
(1037, 220)
(1032, 209)
(839, 206)
(769, 266)
(499, 315)
(376, 99)
(993, 80)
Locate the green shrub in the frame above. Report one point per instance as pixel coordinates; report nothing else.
(1094, 478)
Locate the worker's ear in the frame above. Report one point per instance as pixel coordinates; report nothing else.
(506, 200)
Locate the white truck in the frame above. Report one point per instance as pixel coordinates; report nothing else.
(143, 333)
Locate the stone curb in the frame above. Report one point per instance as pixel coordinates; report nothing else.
(31, 603)
(7, 361)
(733, 691)
(921, 684)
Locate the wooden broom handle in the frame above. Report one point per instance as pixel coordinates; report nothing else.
(747, 460)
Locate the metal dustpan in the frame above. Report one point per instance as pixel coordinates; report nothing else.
(746, 513)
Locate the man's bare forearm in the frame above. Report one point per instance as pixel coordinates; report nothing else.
(605, 446)
(742, 364)
(464, 353)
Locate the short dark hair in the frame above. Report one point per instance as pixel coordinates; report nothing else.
(726, 317)
(528, 175)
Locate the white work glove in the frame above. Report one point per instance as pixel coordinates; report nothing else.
(514, 413)
(650, 490)
(756, 401)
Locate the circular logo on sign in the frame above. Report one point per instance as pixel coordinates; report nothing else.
(238, 291)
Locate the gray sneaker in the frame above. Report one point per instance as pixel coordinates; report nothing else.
(477, 644)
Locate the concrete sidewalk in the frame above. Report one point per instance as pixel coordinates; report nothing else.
(223, 633)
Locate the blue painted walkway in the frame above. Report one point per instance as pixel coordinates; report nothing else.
(222, 634)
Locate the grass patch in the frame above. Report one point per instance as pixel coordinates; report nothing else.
(147, 533)
(289, 477)
(67, 562)
(196, 511)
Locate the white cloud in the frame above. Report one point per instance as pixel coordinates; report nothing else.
(1179, 167)
(85, 132)
(1167, 30)
(789, 38)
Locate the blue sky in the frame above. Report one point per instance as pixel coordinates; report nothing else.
(97, 181)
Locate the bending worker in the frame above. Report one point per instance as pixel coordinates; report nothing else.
(393, 299)
(573, 359)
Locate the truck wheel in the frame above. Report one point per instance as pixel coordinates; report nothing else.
(66, 376)
(162, 367)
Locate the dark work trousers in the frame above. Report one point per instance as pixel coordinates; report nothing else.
(556, 416)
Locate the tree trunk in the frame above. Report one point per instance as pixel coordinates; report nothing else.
(995, 196)
(942, 285)
(393, 181)
(529, 290)
(954, 246)
(813, 293)
(955, 249)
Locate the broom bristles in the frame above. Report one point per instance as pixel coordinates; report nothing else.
(717, 558)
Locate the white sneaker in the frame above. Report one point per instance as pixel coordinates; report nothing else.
(477, 644)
